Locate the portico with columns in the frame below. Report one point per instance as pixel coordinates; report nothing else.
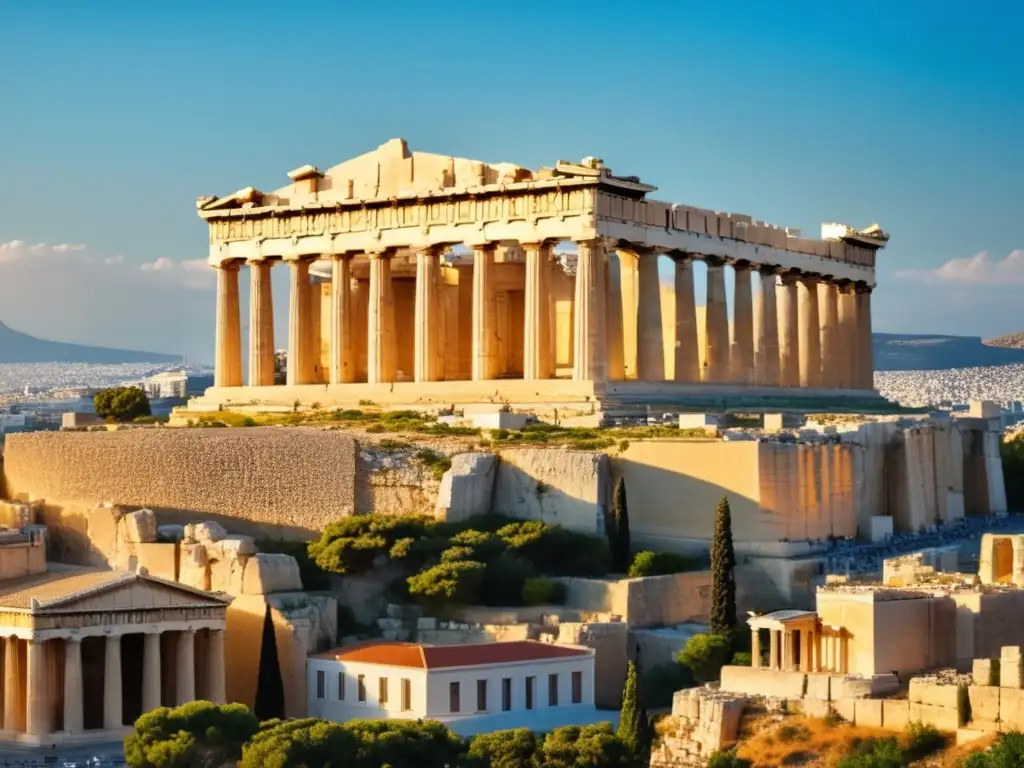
(421, 278)
(797, 641)
(86, 652)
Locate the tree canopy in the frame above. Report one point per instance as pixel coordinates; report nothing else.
(121, 403)
(195, 735)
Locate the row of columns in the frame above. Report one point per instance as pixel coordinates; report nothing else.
(801, 331)
(818, 652)
(37, 715)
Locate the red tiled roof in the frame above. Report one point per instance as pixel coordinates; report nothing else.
(446, 656)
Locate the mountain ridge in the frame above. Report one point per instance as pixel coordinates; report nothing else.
(18, 347)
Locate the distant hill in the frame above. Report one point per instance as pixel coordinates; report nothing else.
(17, 347)
(1010, 341)
(927, 352)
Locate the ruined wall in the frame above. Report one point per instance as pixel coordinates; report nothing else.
(280, 482)
(653, 601)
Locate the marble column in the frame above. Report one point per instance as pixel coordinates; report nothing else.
(849, 337)
(427, 362)
(38, 712)
(614, 324)
(742, 355)
(650, 343)
(589, 338)
(185, 667)
(228, 367)
(151, 672)
(343, 364)
(687, 347)
(536, 313)
(831, 351)
(113, 716)
(380, 352)
(14, 712)
(215, 669)
(315, 374)
(261, 325)
(766, 330)
(716, 325)
(755, 648)
(805, 651)
(298, 323)
(74, 717)
(484, 341)
(866, 361)
(809, 332)
(774, 662)
(789, 341)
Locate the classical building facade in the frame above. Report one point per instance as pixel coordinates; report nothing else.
(85, 652)
(419, 278)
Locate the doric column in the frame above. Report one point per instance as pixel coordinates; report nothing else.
(484, 352)
(380, 353)
(343, 364)
(215, 670)
(112, 713)
(185, 667)
(589, 338)
(38, 721)
(809, 332)
(867, 358)
(261, 325)
(314, 332)
(766, 331)
(773, 650)
(789, 341)
(151, 672)
(650, 343)
(228, 370)
(687, 350)
(614, 322)
(14, 713)
(831, 352)
(716, 324)
(742, 355)
(536, 313)
(755, 648)
(74, 718)
(848, 337)
(427, 364)
(298, 323)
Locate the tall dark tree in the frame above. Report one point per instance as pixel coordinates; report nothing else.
(644, 729)
(618, 531)
(269, 686)
(629, 715)
(723, 580)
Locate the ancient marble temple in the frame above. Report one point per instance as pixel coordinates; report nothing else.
(422, 278)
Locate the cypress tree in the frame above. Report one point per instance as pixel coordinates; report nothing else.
(619, 533)
(723, 563)
(269, 686)
(629, 715)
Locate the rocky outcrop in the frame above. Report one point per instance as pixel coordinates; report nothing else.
(467, 488)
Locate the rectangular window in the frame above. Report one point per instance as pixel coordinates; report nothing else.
(341, 686)
(382, 691)
(320, 684)
(552, 690)
(577, 687)
(506, 694)
(406, 695)
(453, 697)
(529, 692)
(481, 695)
(361, 688)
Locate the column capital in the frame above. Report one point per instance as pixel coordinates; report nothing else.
(383, 253)
(260, 262)
(742, 264)
(862, 288)
(232, 265)
(712, 261)
(535, 245)
(809, 279)
(790, 278)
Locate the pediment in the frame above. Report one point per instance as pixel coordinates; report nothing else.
(133, 592)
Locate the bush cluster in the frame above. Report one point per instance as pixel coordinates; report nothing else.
(488, 559)
(121, 403)
(649, 563)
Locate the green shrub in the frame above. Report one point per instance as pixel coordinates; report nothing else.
(648, 563)
(705, 655)
(727, 759)
(121, 403)
(458, 582)
(874, 753)
(436, 462)
(543, 591)
(788, 733)
(196, 733)
(350, 545)
(923, 740)
(452, 554)
(1007, 752)
(660, 682)
(741, 659)
(506, 575)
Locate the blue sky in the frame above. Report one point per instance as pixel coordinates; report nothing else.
(116, 115)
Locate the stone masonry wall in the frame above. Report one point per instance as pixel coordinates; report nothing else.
(280, 482)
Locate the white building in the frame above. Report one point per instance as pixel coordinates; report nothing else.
(167, 384)
(470, 688)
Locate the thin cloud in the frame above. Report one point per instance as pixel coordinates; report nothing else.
(975, 270)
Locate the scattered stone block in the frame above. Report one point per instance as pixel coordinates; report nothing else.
(236, 546)
(985, 672)
(850, 687)
(426, 623)
(1010, 667)
(815, 707)
(927, 691)
(967, 735)
(140, 526)
(984, 700)
(818, 686)
(1011, 709)
(895, 714)
(686, 703)
(467, 486)
(943, 718)
(267, 573)
(845, 708)
(205, 533)
(868, 712)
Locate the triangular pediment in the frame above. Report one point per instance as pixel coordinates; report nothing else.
(133, 591)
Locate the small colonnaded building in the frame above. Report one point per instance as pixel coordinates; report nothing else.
(86, 652)
(470, 688)
(418, 278)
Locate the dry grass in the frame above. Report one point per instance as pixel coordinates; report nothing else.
(954, 756)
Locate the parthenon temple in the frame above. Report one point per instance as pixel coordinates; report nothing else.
(422, 278)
